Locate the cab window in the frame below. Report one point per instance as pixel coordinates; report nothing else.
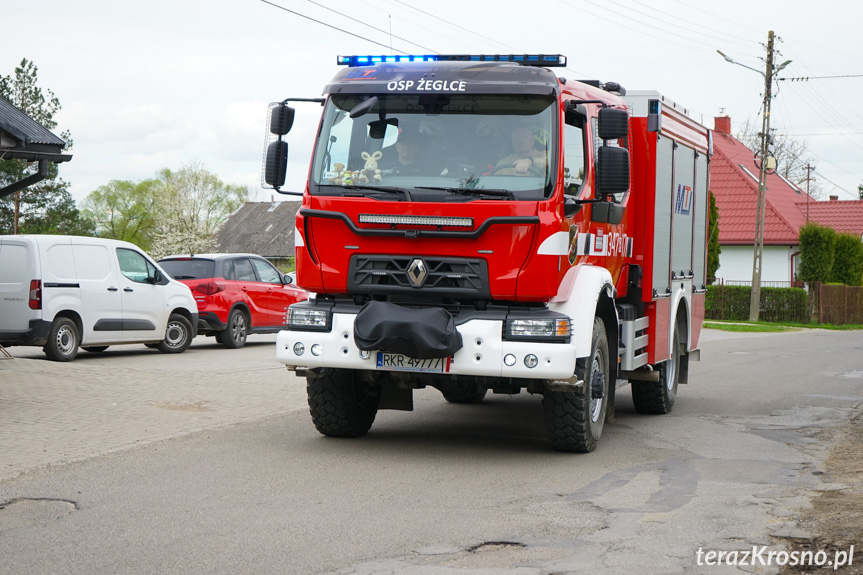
(135, 266)
(573, 154)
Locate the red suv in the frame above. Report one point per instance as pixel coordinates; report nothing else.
(237, 294)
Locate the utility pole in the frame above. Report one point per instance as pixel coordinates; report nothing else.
(758, 256)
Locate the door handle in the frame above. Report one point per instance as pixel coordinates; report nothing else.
(128, 289)
(112, 288)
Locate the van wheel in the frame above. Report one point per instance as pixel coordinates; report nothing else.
(234, 336)
(95, 348)
(63, 339)
(178, 335)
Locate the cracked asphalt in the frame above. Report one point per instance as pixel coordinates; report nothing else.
(207, 462)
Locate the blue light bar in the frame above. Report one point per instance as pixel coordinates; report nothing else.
(545, 60)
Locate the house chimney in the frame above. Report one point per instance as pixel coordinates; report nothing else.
(722, 124)
(834, 198)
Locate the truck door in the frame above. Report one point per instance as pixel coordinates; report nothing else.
(101, 303)
(144, 310)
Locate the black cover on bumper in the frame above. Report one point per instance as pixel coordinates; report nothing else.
(36, 335)
(421, 333)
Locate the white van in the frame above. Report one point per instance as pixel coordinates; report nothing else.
(62, 292)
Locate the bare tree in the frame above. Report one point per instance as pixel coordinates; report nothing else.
(792, 156)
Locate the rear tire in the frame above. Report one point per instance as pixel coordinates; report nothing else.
(341, 404)
(95, 348)
(658, 397)
(574, 419)
(63, 340)
(178, 335)
(237, 330)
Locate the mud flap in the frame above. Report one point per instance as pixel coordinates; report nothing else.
(421, 333)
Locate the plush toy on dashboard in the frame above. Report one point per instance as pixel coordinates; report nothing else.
(337, 176)
(371, 172)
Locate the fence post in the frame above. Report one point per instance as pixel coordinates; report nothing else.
(820, 302)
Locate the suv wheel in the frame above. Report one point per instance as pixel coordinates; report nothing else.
(234, 336)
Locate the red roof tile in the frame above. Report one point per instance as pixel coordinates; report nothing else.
(736, 194)
(844, 217)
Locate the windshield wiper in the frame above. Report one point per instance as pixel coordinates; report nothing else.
(473, 191)
(360, 188)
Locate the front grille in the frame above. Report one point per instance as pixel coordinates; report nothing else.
(434, 276)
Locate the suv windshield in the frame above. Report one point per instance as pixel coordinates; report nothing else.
(188, 268)
(433, 145)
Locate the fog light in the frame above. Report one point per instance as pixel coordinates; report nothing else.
(316, 350)
(299, 348)
(530, 361)
(364, 354)
(509, 359)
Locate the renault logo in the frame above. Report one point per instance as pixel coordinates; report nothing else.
(417, 272)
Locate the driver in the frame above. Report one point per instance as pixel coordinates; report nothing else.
(526, 160)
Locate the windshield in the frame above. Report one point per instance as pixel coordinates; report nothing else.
(425, 146)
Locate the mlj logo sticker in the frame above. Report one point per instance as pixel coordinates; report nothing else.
(683, 202)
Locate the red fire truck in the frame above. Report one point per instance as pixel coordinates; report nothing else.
(476, 223)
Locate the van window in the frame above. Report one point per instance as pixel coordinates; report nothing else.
(135, 266)
(14, 266)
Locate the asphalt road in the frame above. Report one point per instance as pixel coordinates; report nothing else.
(207, 462)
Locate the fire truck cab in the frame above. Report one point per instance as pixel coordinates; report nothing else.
(476, 223)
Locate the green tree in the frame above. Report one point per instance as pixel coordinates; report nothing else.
(713, 247)
(125, 210)
(46, 206)
(817, 247)
(848, 260)
(860, 191)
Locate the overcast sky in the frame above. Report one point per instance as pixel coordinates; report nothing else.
(162, 83)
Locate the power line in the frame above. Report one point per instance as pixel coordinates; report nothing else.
(330, 26)
(353, 19)
(807, 78)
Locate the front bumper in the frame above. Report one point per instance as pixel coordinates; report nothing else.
(482, 354)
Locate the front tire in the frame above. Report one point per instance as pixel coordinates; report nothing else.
(63, 340)
(341, 404)
(658, 397)
(237, 330)
(178, 335)
(574, 419)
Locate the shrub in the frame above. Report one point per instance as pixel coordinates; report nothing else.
(848, 260)
(817, 244)
(777, 304)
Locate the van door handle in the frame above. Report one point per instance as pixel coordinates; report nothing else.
(112, 288)
(128, 289)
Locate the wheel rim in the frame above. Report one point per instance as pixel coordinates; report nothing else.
(595, 402)
(175, 335)
(671, 372)
(238, 328)
(66, 343)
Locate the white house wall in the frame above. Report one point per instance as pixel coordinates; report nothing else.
(735, 263)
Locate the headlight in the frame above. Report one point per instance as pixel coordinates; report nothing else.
(306, 319)
(547, 329)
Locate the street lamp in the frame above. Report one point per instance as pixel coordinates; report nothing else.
(757, 256)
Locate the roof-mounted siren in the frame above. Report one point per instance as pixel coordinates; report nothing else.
(654, 115)
(614, 88)
(543, 60)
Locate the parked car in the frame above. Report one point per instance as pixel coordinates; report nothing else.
(237, 294)
(66, 292)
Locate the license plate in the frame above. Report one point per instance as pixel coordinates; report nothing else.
(398, 362)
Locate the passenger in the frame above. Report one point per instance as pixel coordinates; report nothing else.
(526, 160)
(411, 157)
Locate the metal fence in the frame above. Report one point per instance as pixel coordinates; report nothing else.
(795, 302)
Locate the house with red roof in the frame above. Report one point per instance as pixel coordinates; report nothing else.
(734, 183)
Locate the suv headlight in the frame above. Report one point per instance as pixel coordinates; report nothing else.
(307, 319)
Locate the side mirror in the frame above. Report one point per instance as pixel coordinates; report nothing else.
(281, 119)
(276, 164)
(613, 123)
(612, 171)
